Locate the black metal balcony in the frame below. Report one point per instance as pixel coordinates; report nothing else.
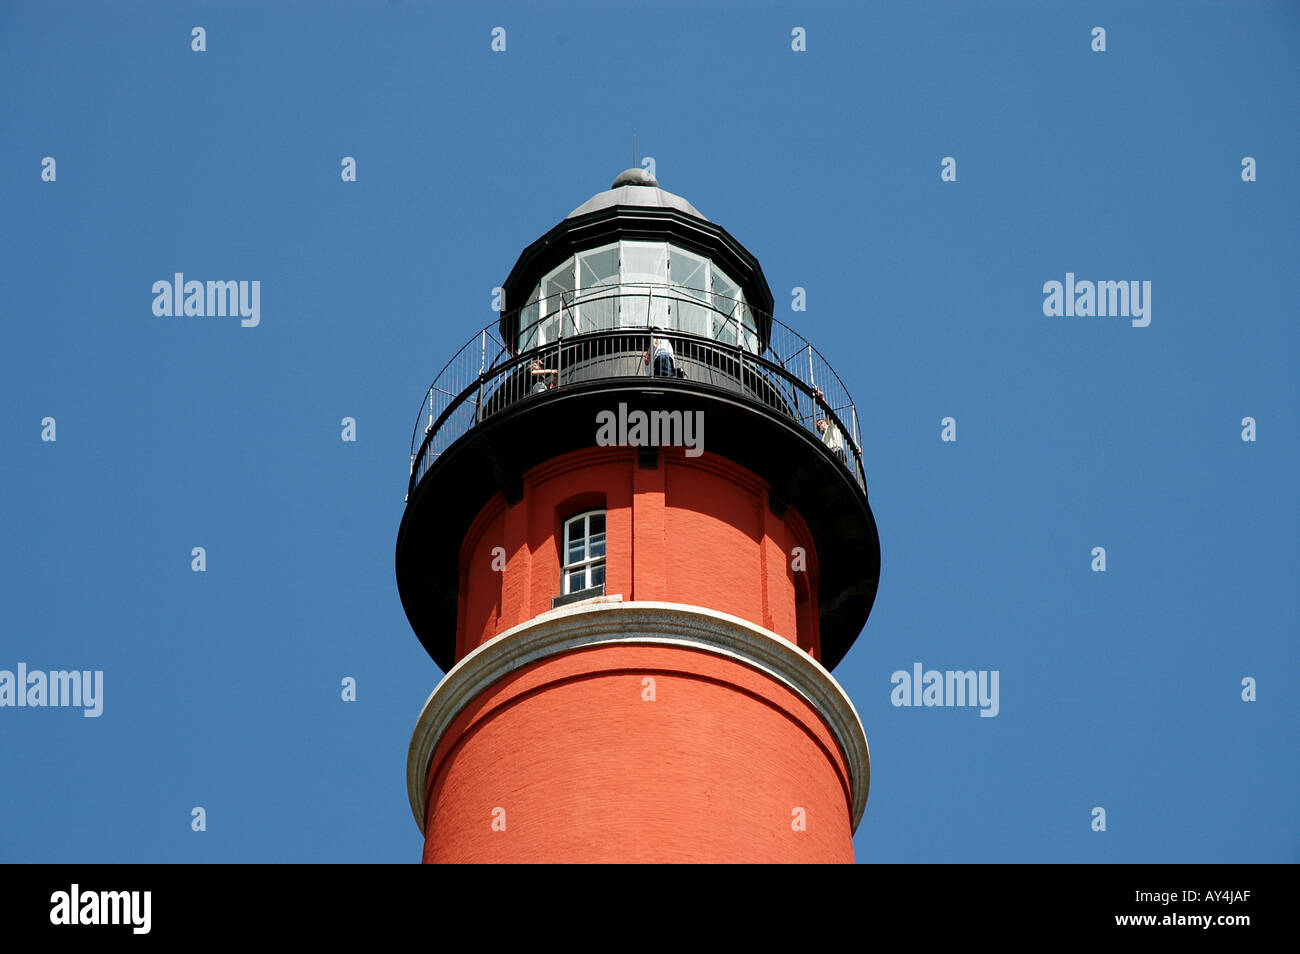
(496, 410)
(786, 375)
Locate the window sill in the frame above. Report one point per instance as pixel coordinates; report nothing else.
(578, 597)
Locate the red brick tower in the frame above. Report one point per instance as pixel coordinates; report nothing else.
(637, 538)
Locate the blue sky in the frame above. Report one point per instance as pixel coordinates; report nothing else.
(1119, 689)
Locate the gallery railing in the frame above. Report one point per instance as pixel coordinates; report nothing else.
(606, 333)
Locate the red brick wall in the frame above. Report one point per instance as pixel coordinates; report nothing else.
(586, 770)
(694, 530)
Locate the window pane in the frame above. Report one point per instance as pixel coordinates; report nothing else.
(640, 306)
(555, 285)
(598, 278)
(528, 324)
(557, 302)
(693, 319)
(644, 264)
(575, 539)
(687, 270)
(598, 522)
(554, 298)
(548, 329)
(597, 546)
(633, 306)
(690, 275)
(725, 293)
(598, 267)
(599, 314)
(575, 580)
(724, 328)
(597, 574)
(569, 321)
(751, 329)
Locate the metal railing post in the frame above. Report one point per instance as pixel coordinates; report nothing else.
(482, 366)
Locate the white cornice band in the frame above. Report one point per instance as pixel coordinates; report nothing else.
(588, 624)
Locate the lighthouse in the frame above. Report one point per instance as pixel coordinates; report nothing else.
(637, 541)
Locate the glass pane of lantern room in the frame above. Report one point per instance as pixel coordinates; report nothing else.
(689, 275)
(557, 297)
(555, 284)
(726, 307)
(645, 267)
(751, 329)
(528, 324)
(598, 279)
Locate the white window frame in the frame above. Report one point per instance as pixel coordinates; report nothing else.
(588, 562)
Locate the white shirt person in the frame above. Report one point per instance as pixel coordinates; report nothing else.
(830, 434)
(664, 360)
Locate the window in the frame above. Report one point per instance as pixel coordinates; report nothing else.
(751, 330)
(726, 302)
(645, 265)
(528, 323)
(690, 277)
(598, 281)
(557, 302)
(584, 551)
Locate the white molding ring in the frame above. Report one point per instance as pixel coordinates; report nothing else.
(645, 623)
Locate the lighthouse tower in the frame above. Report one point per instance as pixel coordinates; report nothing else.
(637, 540)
